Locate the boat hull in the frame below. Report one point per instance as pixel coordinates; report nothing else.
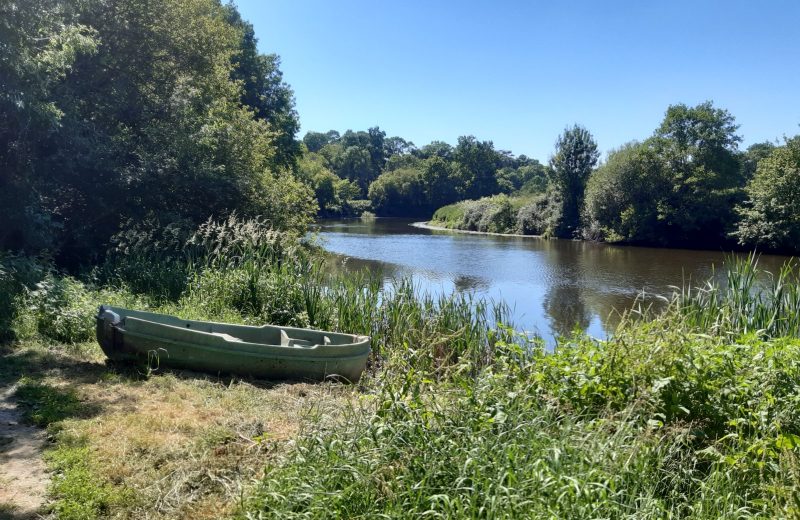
(219, 348)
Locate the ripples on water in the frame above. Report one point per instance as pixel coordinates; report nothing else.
(553, 286)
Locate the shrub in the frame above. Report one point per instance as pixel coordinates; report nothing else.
(449, 216)
(63, 309)
(535, 218)
(18, 274)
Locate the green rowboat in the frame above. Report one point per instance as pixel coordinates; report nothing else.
(266, 352)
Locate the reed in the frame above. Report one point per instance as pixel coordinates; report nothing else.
(749, 300)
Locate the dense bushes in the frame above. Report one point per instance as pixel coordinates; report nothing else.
(537, 217)
(99, 129)
(770, 218)
(500, 214)
(18, 275)
(662, 420)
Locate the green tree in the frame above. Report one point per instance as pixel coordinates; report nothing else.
(397, 146)
(623, 196)
(575, 156)
(752, 156)
(332, 193)
(770, 218)
(440, 180)
(530, 177)
(148, 119)
(699, 148)
(477, 163)
(436, 148)
(315, 141)
(264, 90)
(40, 42)
(399, 192)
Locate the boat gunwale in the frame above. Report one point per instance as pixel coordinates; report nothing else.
(288, 348)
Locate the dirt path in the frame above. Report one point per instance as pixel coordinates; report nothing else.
(23, 476)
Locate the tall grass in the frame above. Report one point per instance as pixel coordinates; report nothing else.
(657, 423)
(750, 300)
(690, 413)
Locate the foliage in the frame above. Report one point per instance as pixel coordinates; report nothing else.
(622, 197)
(698, 148)
(399, 192)
(660, 419)
(63, 309)
(477, 163)
(18, 275)
(356, 156)
(752, 156)
(117, 130)
(770, 217)
(403, 180)
(530, 179)
(264, 91)
(537, 217)
(575, 156)
(677, 188)
(332, 193)
(499, 214)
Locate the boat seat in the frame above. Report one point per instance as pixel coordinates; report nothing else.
(286, 341)
(227, 337)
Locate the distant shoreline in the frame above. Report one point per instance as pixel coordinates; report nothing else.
(427, 225)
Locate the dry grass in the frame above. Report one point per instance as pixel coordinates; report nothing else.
(178, 444)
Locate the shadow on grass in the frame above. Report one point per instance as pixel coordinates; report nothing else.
(28, 365)
(28, 370)
(10, 512)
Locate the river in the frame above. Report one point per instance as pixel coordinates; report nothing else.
(552, 286)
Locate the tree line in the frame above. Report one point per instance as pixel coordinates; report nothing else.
(400, 179)
(118, 116)
(687, 185)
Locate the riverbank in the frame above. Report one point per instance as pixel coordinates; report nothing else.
(683, 411)
(428, 225)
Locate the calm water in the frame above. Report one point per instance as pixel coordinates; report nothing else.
(553, 286)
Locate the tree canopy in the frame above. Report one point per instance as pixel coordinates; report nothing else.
(771, 216)
(679, 187)
(118, 111)
(575, 156)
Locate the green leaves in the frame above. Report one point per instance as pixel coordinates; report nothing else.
(575, 156)
(143, 110)
(770, 217)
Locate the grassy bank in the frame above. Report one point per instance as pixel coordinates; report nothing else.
(691, 413)
(524, 215)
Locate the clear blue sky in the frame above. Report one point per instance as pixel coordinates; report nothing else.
(518, 72)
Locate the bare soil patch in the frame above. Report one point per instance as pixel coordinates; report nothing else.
(23, 474)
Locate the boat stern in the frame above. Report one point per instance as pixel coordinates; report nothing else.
(108, 336)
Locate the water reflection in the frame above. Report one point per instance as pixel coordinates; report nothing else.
(465, 283)
(553, 286)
